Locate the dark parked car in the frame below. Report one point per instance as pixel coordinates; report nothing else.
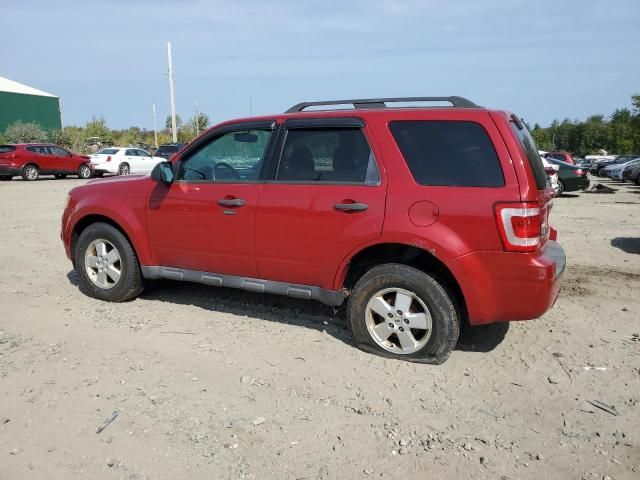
(632, 174)
(30, 160)
(167, 151)
(571, 177)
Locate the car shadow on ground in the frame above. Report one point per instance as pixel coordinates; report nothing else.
(627, 244)
(569, 195)
(290, 311)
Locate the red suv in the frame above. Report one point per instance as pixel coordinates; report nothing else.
(30, 160)
(421, 218)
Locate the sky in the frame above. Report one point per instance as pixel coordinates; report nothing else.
(543, 59)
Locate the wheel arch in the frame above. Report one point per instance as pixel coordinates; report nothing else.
(87, 220)
(391, 252)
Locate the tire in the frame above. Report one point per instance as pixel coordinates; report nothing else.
(638, 179)
(99, 174)
(61, 176)
(560, 188)
(124, 169)
(84, 171)
(430, 345)
(6, 178)
(129, 284)
(30, 172)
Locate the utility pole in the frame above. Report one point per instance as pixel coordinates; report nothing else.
(197, 119)
(174, 130)
(155, 126)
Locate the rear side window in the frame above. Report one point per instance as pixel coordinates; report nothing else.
(7, 148)
(107, 151)
(331, 155)
(533, 156)
(448, 153)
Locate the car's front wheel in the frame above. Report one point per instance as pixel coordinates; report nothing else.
(107, 264)
(123, 169)
(401, 312)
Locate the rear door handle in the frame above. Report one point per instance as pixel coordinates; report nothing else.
(351, 207)
(231, 202)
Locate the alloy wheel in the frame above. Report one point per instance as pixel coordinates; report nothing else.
(398, 320)
(103, 263)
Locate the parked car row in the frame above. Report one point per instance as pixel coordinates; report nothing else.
(31, 160)
(598, 166)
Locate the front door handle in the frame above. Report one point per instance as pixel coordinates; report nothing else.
(351, 207)
(231, 202)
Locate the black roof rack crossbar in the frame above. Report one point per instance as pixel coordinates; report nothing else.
(364, 103)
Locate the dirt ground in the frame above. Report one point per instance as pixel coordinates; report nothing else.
(214, 383)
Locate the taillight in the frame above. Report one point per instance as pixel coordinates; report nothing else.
(522, 226)
(549, 170)
(109, 158)
(578, 172)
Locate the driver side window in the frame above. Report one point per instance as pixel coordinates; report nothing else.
(234, 157)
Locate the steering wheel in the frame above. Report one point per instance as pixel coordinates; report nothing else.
(231, 172)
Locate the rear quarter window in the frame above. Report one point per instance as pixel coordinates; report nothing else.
(7, 148)
(531, 151)
(448, 153)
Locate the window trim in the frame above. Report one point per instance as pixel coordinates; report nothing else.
(339, 123)
(484, 129)
(230, 128)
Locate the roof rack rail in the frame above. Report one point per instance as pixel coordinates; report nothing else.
(364, 103)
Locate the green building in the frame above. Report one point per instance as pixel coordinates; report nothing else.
(21, 102)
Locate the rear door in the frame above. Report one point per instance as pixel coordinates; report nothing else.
(42, 157)
(131, 157)
(325, 197)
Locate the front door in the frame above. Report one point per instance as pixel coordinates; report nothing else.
(205, 219)
(326, 198)
(62, 161)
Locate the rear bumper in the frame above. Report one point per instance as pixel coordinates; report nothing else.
(572, 184)
(7, 170)
(505, 286)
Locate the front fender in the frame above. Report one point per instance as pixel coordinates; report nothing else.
(129, 214)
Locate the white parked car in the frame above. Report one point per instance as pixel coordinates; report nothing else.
(552, 172)
(615, 171)
(123, 161)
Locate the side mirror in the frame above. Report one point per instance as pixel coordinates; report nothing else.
(163, 172)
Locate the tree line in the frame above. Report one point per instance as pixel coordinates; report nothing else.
(97, 133)
(619, 133)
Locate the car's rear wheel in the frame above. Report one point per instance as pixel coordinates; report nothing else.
(123, 169)
(638, 179)
(560, 188)
(401, 312)
(84, 171)
(107, 264)
(60, 175)
(30, 172)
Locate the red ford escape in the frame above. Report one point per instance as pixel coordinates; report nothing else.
(419, 218)
(30, 160)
